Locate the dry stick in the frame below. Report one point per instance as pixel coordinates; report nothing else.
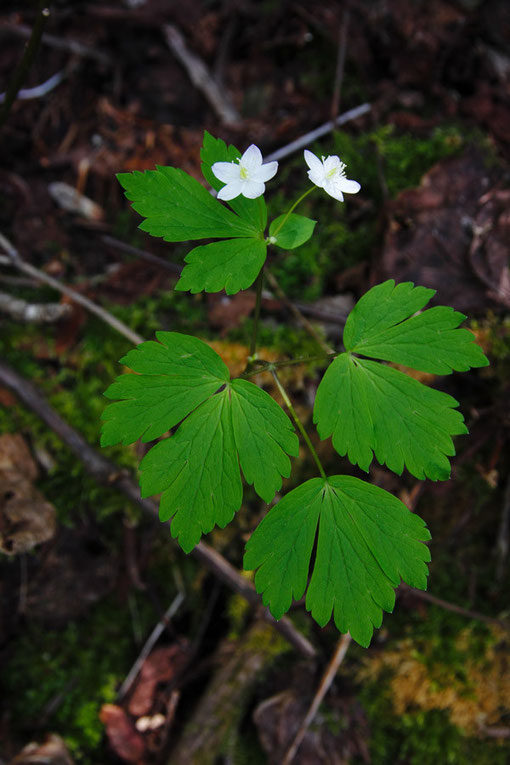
(150, 643)
(200, 76)
(109, 474)
(297, 313)
(73, 46)
(15, 260)
(32, 313)
(26, 94)
(313, 135)
(324, 685)
(340, 63)
(453, 607)
(24, 65)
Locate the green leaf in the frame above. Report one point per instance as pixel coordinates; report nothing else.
(178, 208)
(226, 426)
(231, 265)
(379, 326)
(296, 230)
(264, 437)
(367, 542)
(175, 375)
(254, 211)
(198, 472)
(372, 409)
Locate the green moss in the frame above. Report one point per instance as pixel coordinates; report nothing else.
(420, 737)
(76, 670)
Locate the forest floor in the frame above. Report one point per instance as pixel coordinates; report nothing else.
(86, 574)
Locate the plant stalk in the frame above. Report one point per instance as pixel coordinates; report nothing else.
(256, 317)
(291, 210)
(299, 424)
(27, 59)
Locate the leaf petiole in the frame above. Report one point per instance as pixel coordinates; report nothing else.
(291, 210)
(298, 422)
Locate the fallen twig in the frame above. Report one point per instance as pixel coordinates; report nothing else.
(149, 644)
(313, 135)
(453, 607)
(38, 91)
(324, 686)
(108, 473)
(15, 260)
(340, 63)
(73, 46)
(32, 313)
(200, 76)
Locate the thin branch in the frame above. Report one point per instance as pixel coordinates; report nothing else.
(200, 76)
(174, 268)
(150, 643)
(26, 62)
(109, 474)
(72, 46)
(453, 607)
(313, 135)
(340, 64)
(26, 94)
(324, 686)
(32, 313)
(297, 313)
(15, 260)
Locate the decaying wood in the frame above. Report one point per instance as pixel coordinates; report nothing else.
(219, 710)
(200, 77)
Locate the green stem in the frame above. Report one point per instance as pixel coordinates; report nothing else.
(299, 424)
(260, 201)
(300, 199)
(27, 59)
(268, 366)
(256, 316)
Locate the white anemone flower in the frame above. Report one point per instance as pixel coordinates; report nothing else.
(329, 174)
(247, 176)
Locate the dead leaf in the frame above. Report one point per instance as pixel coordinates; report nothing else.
(52, 752)
(162, 666)
(26, 518)
(124, 739)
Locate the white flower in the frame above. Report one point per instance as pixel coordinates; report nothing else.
(247, 176)
(329, 174)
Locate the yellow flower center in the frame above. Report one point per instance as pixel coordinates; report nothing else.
(243, 173)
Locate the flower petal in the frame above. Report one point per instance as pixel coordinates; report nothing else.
(332, 187)
(253, 189)
(349, 187)
(226, 171)
(313, 163)
(231, 190)
(331, 163)
(251, 159)
(266, 172)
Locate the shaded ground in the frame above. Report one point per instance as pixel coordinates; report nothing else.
(79, 604)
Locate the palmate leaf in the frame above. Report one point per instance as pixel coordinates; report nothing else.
(231, 265)
(370, 408)
(177, 208)
(367, 542)
(226, 426)
(175, 375)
